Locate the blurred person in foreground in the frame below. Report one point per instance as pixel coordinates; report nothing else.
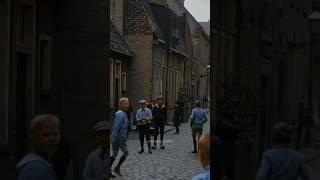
(204, 157)
(98, 162)
(281, 162)
(45, 139)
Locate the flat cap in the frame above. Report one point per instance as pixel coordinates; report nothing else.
(160, 97)
(102, 126)
(142, 101)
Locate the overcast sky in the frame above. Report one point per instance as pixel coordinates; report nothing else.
(200, 9)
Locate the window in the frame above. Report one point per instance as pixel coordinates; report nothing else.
(111, 83)
(117, 69)
(163, 82)
(116, 82)
(157, 81)
(45, 61)
(124, 81)
(24, 29)
(177, 85)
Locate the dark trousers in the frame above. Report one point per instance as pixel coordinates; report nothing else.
(144, 131)
(177, 129)
(157, 128)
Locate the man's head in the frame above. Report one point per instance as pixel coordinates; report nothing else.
(154, 101)
(281, 134)
(45, 134)
(204, 150)
(143, 103)
(160, 101)
(124, 104)
(198, 103)
(102, 130)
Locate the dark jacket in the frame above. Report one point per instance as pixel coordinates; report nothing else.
(177, 116)
(159, 114)
(34, 167)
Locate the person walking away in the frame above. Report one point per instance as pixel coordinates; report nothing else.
(281, 162)
(45, 139)
(144, 117)
(97, 164)
(120, 134)
(177, 118)
(204, 157)
(159, 114)
(197, 119)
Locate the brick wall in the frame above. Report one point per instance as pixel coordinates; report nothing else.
(140, 68)
(136, 20)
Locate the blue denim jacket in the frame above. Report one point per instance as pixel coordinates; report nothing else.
(283, 164)
(198, 118)
(120, 125)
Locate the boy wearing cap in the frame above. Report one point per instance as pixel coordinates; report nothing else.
(98, 162)
(144, 116)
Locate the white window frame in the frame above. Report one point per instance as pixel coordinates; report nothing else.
(111, 83)
(116, 63)
(45, 84)
(124, 81)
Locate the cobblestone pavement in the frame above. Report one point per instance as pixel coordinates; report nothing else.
(174, 162)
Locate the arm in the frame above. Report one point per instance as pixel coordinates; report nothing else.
(165, 114)
(205, 117)
(149, 114)
(88, 173)
(138, 115)
(191, 117)
(304, 174)
(117, 124)
(265, 169)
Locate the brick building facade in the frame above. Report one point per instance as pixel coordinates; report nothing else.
(53, 60)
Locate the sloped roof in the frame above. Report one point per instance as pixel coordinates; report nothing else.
(159, 2)
(206, 27)
(315, 15)
(181, 8)
(117, 43)
(138, 19)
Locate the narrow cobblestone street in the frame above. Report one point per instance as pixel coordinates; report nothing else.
(175, 162)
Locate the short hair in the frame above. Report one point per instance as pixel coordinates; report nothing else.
(281, 133)
(41, 119)
(198, 103)
(123, 99)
